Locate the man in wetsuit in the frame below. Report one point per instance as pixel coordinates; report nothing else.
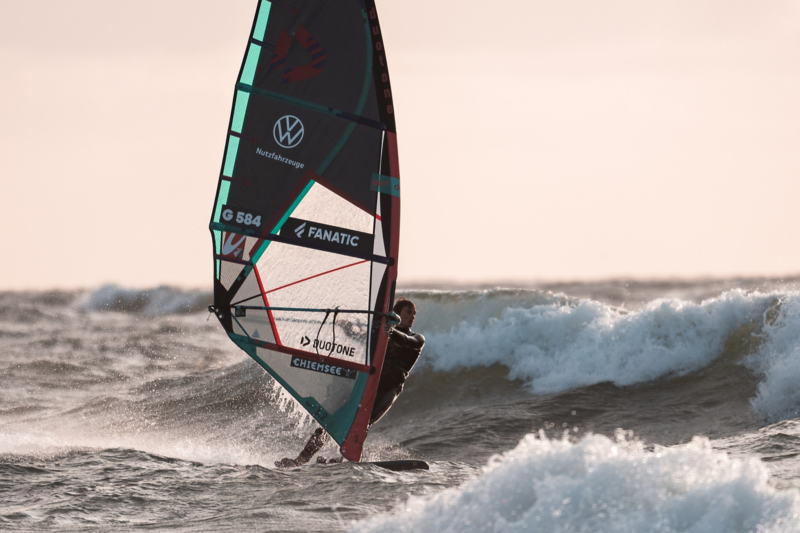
(401, 353)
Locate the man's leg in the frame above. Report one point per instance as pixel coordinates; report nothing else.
(384, 399)
(314, 444)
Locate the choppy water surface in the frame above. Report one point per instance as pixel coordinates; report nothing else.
(619, 407)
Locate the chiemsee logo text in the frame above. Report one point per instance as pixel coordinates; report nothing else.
(288, 131)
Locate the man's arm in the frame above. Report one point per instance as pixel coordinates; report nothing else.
(415, 341)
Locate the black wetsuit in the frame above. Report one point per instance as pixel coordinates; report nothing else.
(401, 353)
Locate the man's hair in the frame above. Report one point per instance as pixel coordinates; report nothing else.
(401, 304)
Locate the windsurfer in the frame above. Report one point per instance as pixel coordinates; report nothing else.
(402, 353)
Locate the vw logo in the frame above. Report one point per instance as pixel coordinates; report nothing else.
(288, 131)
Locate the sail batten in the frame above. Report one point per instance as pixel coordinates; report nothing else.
(352, 117)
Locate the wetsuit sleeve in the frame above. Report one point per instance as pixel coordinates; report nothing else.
(414, 341)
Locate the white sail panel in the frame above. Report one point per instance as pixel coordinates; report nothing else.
(323, 206)
(329, 390)
(303, 278)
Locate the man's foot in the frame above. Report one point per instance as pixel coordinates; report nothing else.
(322, 461)
(287, 463)
(314, 444)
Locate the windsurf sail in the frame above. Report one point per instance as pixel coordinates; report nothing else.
(305, 225)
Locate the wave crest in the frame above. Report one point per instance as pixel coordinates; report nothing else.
(603, 485)
(554, 343)
(149, 302)
(778, 363)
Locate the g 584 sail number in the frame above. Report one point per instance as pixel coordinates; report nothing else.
(241, 217)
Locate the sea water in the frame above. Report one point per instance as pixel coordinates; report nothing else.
(596, 407)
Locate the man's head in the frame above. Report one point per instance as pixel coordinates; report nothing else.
(407, 312)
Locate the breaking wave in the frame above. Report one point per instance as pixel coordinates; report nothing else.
(148, 302)
(778, 363)
(602, 485)
(554, 343)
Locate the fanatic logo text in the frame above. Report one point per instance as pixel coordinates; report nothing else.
(339, 237)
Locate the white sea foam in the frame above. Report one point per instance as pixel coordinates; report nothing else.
(554, 343)
(44, 444)
(778, 363)
(600, 485)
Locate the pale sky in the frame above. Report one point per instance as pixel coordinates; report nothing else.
(539, 140)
